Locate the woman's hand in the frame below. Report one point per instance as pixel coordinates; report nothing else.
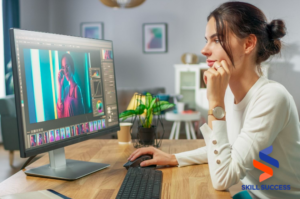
(159, 157)
(60, 77)
(216, 79)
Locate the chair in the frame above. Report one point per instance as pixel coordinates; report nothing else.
(8, 125)
(242, 195)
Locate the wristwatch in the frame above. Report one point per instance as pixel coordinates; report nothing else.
(218, 112)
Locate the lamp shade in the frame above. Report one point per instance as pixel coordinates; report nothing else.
(122, 3)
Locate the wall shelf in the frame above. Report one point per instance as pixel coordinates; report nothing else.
(188, 88)
(190, 84)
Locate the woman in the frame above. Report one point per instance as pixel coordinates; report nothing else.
(71, 102)
(262, 114)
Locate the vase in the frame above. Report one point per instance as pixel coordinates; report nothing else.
(146, 136)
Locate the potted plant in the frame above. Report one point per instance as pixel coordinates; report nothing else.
(146, 106)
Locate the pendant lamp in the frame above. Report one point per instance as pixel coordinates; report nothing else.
(122, 3)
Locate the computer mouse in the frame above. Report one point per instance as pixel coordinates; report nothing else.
(137, 161)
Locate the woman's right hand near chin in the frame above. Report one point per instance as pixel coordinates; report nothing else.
(60, 77)
(159, 157)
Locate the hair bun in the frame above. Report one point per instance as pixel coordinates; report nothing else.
(276, 29)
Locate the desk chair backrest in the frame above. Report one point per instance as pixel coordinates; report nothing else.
(8, 123)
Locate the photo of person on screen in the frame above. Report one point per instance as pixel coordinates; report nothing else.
(33, 140)
(107, 54)
(46, 138)
(70, 102)
(57, 135)
(40, 139)
(51, 136)
(87, 127)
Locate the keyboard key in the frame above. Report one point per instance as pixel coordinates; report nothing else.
(156, 191)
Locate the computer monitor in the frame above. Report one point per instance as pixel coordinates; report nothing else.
(65, 93)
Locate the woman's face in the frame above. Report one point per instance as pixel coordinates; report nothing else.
(67, 68)
(214, 51)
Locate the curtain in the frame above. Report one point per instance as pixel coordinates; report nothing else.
(11, 19)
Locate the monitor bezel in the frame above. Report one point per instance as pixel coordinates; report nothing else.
(49, 147)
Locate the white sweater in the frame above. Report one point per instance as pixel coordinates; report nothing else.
(266, 116)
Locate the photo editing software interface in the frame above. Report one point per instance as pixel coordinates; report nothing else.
(67, 87)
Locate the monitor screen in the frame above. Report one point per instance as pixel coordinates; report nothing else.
(65, 89)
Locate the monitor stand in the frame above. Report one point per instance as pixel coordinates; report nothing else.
(65, 169)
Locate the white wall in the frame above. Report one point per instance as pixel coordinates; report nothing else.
(34, 15)
(186, 25)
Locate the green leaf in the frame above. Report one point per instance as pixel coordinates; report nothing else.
(163, 107)
(160, 103)
(140, 109)
(124, 118)
(152, 103)
(148, 99)
(147, 118)
(150, 121)
(126, 113)
(166, 106)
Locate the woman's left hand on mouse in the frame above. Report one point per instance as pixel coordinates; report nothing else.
(159, 157)
(216, 79)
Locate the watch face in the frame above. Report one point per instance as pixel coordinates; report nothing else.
(218, 112)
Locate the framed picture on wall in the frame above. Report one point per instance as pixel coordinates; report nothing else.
(94, 30)
(155, 37)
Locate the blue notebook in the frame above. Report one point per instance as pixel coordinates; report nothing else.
(45, 194)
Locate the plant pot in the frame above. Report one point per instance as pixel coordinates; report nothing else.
(146, 136)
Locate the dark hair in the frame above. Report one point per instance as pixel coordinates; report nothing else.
(244, 19)
(70, 59)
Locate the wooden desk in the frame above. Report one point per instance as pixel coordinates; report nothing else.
(186, 182)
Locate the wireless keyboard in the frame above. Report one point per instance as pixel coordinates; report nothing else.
(141, 183)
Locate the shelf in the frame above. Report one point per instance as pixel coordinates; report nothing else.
(189, 83)
(187, 79)
(188, 88)
(202, 83)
